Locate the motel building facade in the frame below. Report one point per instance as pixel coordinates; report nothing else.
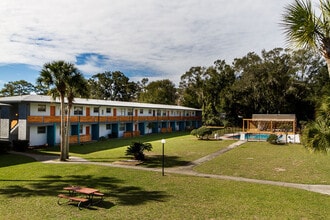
(37, 119)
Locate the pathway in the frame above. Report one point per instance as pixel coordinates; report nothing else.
(188, 170)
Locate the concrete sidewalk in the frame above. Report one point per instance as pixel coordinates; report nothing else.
(187, 170)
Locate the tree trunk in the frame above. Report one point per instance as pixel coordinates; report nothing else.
(328, 65)
(67, 141)
(62, 144)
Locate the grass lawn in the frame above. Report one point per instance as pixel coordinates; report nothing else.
(180, 149)
(28, 189)
(261, 160)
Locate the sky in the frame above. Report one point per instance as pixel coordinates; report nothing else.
(153, 39)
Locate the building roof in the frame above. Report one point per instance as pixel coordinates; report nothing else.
(274, 116)
(95, 102)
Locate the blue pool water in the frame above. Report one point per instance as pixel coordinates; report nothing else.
(253, 136)
(257, 136)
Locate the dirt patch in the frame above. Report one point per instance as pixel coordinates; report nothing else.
(279, 169)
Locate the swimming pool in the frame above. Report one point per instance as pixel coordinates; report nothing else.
(253, 136)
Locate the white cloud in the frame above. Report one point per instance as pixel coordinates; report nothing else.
(167, 36)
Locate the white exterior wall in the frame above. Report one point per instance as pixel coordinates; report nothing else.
(22, 126)
(103, 130)
(35, 138)
(34, 110)
(58, 135)
(4, 128)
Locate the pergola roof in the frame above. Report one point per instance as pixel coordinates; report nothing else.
(274, 117)
(270, 123)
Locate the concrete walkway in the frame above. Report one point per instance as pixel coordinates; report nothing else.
(187, 170)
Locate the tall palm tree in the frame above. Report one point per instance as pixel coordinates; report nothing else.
(57, 76)
(77, 86)
(306, 29)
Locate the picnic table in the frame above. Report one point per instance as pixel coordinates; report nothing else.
(82, 195)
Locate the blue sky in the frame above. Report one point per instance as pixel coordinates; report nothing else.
(145, 38)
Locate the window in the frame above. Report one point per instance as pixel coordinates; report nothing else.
(41, 108)
(42, 130)
(149, 111)
(81, 129)
(108, 126)
(108, 110)
(141, 111)
(164, 113)
(96, 109)
(122, 127)
(159, 112)
(130, 111)
(122, 111)
(78, 110)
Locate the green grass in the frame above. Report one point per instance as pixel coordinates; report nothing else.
(28, 191)
(261, 160)
(180, 149)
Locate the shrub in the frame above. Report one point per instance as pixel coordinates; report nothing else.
(273, 139)
(137, 148)
(201, 132)
(102, 138)
(4, 146)
(20, 145)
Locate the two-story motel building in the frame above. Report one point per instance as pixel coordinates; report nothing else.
(37, 118)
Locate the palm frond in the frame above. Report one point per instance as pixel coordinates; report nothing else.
(301, 25)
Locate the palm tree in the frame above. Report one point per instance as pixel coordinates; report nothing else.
(57, 76)
(77, 85)
(307, 30)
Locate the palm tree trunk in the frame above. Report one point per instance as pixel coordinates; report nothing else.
(328, 64)
(67, 141)
(62, 144)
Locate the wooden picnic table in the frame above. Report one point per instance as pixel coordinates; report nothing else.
(75, 191)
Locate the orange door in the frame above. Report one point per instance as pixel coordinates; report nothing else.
(114, 112)
(88, 111)
(87, 130)
(52, 110)
(136, 112)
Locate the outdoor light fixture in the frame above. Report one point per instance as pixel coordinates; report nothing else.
(163, 161)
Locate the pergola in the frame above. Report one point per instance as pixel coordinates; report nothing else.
(271, 123)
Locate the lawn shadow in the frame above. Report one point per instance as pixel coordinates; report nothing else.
(154, 161)
(113, 188)
(11, 160)
(115, 143)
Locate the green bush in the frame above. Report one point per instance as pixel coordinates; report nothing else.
(273, 139)
(4, 146)
(201, 132)
(137, 148)
(20, 145)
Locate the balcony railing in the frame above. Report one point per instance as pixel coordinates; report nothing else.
(109, 119)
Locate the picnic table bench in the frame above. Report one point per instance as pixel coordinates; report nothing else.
(71, 199)
(74, 191)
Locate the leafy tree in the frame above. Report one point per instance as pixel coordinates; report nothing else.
(218, 79)
(201, 132)
(160, 92)
(14, 88)
(112, 86)
(278, 81)
(191, 88)
(137, 150)
(203, 88)
(306, 29)
(57, 77)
